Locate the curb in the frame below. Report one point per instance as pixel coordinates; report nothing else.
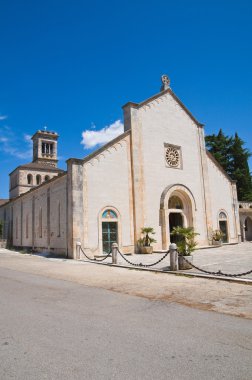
(244, 281)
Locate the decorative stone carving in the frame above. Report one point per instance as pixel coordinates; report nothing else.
(172, 156)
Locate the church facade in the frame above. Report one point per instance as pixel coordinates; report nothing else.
(157, 174)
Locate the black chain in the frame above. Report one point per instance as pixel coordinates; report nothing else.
(140, 264)
(89, 258)
(219, 273)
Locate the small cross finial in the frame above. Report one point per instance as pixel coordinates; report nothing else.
(45, 127)
(165, 82)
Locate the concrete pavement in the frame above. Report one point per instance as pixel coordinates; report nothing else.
(55, 329)
(230, 259)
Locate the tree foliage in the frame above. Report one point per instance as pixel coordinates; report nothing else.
(232, 155)
(220, 147)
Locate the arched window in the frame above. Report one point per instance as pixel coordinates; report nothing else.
(175, 203)
(240, 206)
(109, 214)
(109, 230)
(38, 179)
(222, 216)
(29, 179)
(248, 229)
(223, 226)
(47, 178)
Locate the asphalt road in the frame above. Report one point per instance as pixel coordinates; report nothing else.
(54, 329)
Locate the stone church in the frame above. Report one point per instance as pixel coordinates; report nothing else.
(157, 174)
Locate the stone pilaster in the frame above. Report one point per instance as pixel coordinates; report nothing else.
(205, 183)
(236, 212)
(75, 212)
(33, 222)
(48, 201)
(21, 224)
(131, 121)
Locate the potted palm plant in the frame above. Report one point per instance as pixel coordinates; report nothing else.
(186, 244)
(217, 236)
(144, 243)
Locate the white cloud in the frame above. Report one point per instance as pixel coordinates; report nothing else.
(27, 137)
(14, 147)
(91, 138)
(3, 117)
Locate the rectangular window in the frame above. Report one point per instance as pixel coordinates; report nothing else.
(43, 148)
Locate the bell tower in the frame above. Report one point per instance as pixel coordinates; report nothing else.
(45, 148)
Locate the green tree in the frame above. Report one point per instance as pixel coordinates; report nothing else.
(240, 169)
(220, 147)
(233, 157)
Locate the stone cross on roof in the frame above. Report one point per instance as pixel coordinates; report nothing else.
(165, 82)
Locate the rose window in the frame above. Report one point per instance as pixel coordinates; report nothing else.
(172, 156)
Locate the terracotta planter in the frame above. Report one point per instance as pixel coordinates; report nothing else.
(184, 265)
(146, 250)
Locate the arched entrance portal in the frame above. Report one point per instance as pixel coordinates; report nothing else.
(176, 209)
(175, 220)
(248, 229)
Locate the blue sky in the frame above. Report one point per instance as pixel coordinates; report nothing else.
(71, 65)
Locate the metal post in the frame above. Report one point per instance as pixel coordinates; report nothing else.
(78, 247)
(173, 257)
(114, 253)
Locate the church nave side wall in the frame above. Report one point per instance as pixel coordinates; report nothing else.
(37, 220)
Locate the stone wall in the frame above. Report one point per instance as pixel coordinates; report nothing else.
(156, 124)
(159, 122)
(107, 184)
(224, 198)
(245, 212)
(37, 220)
(22, 185)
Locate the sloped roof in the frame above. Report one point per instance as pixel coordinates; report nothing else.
(106, 146)
(56, 178)
(219, 166)
(161, 93)
(3, 201)
(100, 150)
(39, 166)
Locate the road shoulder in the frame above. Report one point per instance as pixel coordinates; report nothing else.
(214, 295)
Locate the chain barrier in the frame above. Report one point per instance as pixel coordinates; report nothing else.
(219, 273)
(140, 264)
(89, 258)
